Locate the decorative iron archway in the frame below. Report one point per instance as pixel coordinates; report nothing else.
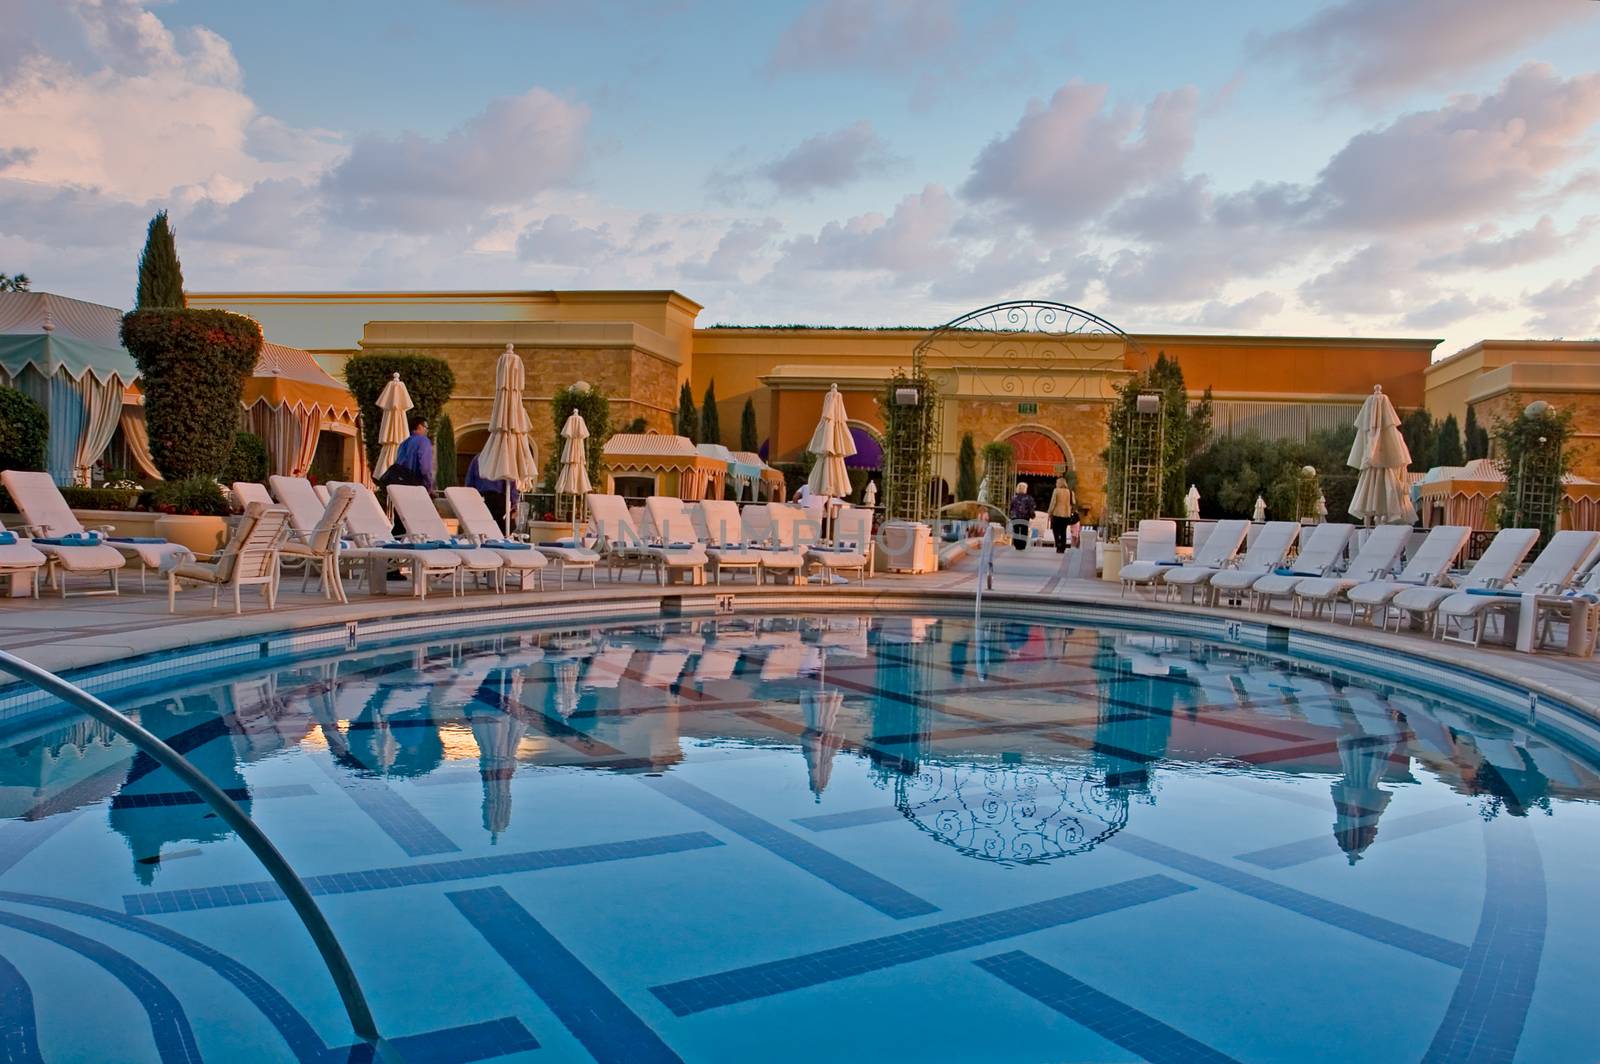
(1016, 350)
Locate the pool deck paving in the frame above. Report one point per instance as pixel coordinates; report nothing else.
(87, 630)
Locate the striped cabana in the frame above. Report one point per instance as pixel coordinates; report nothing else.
(68, 356)
(1463, 495)
(289, 401)
(673, 462)
(770, 485)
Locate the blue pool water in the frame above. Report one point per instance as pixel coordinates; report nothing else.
(831, 838)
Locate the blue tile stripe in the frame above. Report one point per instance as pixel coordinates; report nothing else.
(1289, 854)
(395, 817)
(251, 893)
(832, 869)
(597, 1018)
(1115, 1021)
(169, 1025)
(858, 958)
(449, 1045)
(853, 818)
(1489, 1007)
(19, 1031)
(1364, 924)
(238, 794)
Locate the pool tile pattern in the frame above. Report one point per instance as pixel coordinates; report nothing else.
(1289, 854)
(825, 966)
(1114, 1020)
(238, 794)
(608, 1029)
(252, 893)
(827, 866)
(394, 816)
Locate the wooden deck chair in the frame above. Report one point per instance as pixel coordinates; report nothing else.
(250, 559)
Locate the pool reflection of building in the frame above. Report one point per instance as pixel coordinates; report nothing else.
(1087, 726)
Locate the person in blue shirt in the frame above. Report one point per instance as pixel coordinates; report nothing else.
(416, 453)
(497, 494)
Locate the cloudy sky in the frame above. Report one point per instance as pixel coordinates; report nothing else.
(1393, 167)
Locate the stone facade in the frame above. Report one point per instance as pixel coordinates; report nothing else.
(1080, 425)
(1583, 453)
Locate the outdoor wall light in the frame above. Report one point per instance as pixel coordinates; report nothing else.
(1148, 404)
(906, 397)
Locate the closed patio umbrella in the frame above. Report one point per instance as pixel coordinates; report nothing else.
(1191, 504)
(832, 444)
(394, 401)
(573, 477)
(507, 454)
(1382, 496)
(1259, 514)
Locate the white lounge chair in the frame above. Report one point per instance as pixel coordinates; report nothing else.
(1156, 549)
(1577, 611)
(246, 492)
(479, 527)
(1319, 552)
(320, 548)
(1499, 560)
(301, 499)
(848, 550)
(20, 560)
(728, 529)
(672, 521)
(1216, 552)
(414, 506)
(47, 517)
(250, 559)
(619, 541)
(1266, 553)
(1367, 586)
(373, 534)
(1463, 616)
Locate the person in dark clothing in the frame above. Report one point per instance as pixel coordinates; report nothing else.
(1022, 510)
(497, 494)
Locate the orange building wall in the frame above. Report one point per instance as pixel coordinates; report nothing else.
(1307, 368)
(795, 415)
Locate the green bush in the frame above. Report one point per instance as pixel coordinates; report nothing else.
(444, 453)
(1233, 470)
(102, 498)
(24, 431)
(429, 380)
(248, 461)
(200, 496)
(192, 367)
(966, 470)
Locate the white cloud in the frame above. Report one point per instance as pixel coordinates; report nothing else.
(871, 35)
(1374, 48)
(829, 160)
(741, 249)
(1449, 310)
(1071, 158)
(1568, 308)
(1247, 313)
(563, 240)
(911, 242)
(1487, 250)
(515, 147)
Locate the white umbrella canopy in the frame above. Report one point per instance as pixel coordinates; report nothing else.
(394, 401)
(573, 477)
(832, 444)
(1380, 453)
(507, 453)
(1191, 504)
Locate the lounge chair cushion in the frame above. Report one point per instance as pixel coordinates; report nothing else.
(1236, 579)
(1190, 575)
(83, 559)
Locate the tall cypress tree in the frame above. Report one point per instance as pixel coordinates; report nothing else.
(966, 470)
(160, 273)
(710, 427)
(1477, 438)
(688, 416)
(749, 440)
(1448, 451)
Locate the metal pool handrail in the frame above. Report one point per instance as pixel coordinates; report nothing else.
(344, 977)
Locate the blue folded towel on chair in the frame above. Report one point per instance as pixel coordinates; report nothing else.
(137, 539)
(76, 539)
(679, 545)
(8, 539)
(568, 542)
(506, 544)
(432, 544)
(1283, 571)
(1172, 561)
(1495, 591)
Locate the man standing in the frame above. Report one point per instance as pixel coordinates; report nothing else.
(497, 494)
(416, 453)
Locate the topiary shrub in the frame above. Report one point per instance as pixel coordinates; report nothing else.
(444, 453)
(102, 498)
(248, 461)
(192, 367)
(24, 431)
(198, 496)
(429, 380)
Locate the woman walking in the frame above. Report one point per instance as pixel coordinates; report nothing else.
(1060, 510)
(1022, 510)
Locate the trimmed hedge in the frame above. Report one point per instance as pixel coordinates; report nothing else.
(201, 496)
(429, 380)
(24, 431)
(248, 461)
(192, 367)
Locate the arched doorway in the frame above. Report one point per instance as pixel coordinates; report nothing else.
(867, 463)
(1039, 458)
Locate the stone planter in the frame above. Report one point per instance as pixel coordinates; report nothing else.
(203, 535)
(549, 531)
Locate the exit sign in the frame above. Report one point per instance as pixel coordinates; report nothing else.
(1027, 408)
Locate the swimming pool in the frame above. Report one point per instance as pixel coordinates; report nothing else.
(825, 838)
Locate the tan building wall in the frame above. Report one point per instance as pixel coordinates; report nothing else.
(1452, 382)
(1506, 391)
